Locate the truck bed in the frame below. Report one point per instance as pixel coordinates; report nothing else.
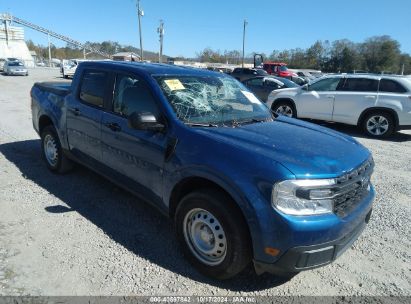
(56, 87)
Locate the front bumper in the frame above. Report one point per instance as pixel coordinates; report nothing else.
(308, 257)
(21, 73)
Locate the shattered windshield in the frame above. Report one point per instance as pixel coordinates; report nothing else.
(212, 100)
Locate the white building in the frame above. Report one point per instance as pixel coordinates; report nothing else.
(12, 44)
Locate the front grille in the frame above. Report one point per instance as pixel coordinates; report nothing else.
(352, 187)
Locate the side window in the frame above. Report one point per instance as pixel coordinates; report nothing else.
(131, 94)
(327, 84)
(388, 85)
(360, 85)
(92, 87)
(256, 82)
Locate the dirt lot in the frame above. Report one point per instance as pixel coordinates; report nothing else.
(78, 234)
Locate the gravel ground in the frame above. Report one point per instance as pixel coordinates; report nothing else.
(78, 234)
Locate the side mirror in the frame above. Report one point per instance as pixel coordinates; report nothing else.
(305, 87)
(144, 121)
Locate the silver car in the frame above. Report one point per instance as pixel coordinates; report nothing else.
(15, 68)
(2, 62)
(378, 104)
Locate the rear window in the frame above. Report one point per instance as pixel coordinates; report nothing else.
(15, 63)
(392, 86)
(360, 85)
(92, 87)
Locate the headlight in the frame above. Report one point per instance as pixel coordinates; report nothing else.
(304, 197)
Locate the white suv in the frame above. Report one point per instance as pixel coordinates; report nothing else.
(379, 105)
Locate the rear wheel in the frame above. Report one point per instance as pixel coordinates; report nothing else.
(284, 108)
(378, 124)
(52, 152)
(213, 234)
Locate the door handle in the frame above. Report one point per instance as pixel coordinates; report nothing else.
(76, 111)
(330, 96)
(113, 126)
(370, 96)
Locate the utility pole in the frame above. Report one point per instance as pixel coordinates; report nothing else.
(245, 24)
(48, 37)
(160, 31)
(140, 14)
(402, 69)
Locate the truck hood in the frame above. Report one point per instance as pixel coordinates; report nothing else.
(307, 150)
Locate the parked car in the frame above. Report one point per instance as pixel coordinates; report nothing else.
(68, 67)
(2, 62)
(242, 74)
(13, 59)
(277, 69)
(241, 184)
(306, 76)
(15, 68)
(379, 105)
(299, 80)
(262, 86)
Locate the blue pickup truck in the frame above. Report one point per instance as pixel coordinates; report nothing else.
(244, 187)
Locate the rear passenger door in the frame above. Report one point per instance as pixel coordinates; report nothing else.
(392, 94)
(136, 155)
(354, 95)
(84, 113)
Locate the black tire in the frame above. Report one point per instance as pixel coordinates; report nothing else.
(238, 245)
(383, 123)
(62, 164)
(279, 107)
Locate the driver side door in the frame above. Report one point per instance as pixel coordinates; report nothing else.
(316, 101)
(137, 155)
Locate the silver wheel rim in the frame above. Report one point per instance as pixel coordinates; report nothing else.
(377, 125)
(50, 150)
(285, 110)
(205, 236)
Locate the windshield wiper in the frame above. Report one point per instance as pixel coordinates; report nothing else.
(236, 123)
(195, 124)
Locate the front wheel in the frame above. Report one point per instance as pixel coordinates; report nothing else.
(52, 152)
(213, 234)
(284, 108)
(378, 124)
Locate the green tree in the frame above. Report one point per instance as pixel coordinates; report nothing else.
(381, 53)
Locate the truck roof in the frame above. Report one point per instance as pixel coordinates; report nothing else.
(149, 68)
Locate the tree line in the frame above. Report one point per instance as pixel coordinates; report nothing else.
(379, 54)
(376, 55)
(70, 51)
